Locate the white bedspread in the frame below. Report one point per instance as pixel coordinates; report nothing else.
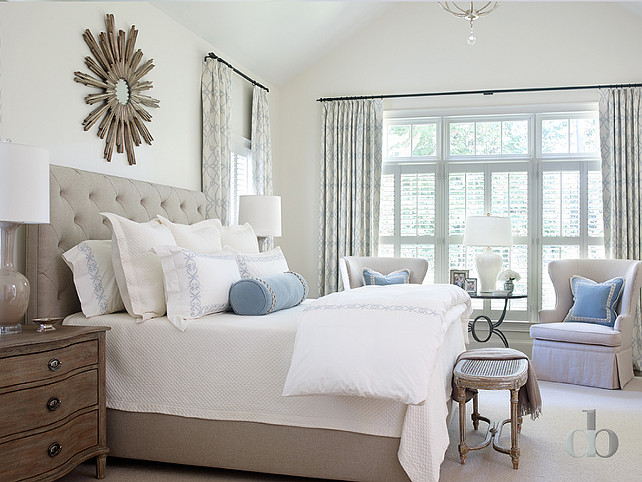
(229, 367)
(380, 342)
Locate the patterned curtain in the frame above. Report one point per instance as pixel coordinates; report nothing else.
(621, 138)
(216, 89)
(351, 135)
(261, 142)
(262, 150)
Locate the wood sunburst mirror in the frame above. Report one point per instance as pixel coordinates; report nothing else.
(122, 105)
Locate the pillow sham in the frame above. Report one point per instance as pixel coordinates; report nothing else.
(240, 237)
(202, 237)
(94, 278)
(595, 302)
(261, 264)
(399, 277)
(138, 270)
(196, 284)
(261, 296)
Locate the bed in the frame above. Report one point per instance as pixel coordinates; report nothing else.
(331, 437)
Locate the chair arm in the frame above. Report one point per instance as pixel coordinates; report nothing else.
(624, 324)
(552, 316)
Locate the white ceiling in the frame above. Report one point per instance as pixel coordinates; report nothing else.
(273, 39)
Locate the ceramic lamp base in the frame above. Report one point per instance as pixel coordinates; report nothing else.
(488, 266)
(14, 287)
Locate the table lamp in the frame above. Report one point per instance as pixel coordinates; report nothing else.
(263, 213)
(488, 231)
(24, 198)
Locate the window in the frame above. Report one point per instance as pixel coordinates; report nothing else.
(542, 169)
(241, 174)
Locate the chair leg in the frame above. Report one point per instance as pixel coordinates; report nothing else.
(463, 448)
(514, 450)
(475, 414)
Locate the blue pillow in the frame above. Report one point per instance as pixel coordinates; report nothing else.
(260, 296)
(595, 302)
(372, 277)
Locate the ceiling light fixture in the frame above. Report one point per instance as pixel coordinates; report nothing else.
(471, 14)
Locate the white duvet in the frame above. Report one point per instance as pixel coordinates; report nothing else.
(379, 342)
(229, 367)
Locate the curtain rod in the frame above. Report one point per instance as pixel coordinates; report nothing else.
(471, 92)
(212, 55)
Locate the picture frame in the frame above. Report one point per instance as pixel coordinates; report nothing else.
(458, 277)
(470, 285)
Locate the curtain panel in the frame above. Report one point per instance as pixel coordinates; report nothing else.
(351, 153)
(620, 112)
(262, 151)
(261, 142)
(216, 91)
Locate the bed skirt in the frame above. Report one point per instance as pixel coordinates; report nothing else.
(254, 447)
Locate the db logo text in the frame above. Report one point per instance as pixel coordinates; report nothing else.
(590, 435)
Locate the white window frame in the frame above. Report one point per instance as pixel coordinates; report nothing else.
(239, 147)
(534, 162)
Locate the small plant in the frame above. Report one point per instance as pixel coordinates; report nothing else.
(509, 275)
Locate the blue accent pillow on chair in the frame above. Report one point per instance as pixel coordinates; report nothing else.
(372, 277)
(595, 302)
(261, 296)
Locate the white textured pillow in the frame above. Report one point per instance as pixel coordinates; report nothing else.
(93, 273)
(262, 264)
(240, 237)
(137, 268)
(195, 284)
(202, 237)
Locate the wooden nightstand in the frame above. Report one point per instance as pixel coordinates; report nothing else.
(52, 402)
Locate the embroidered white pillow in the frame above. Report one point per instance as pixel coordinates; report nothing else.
(138, 270)
(195, 284)
(202, 237)
(240, 237)
(93, 273)
(262, 264)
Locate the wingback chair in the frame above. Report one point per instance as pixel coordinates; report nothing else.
(351, 268)
(586, 353)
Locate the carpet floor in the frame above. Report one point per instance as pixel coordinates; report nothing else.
(542, 444)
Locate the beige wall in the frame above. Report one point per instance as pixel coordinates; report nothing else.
(419, 48)
(41, 47)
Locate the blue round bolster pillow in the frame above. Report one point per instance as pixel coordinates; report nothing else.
(260, 296)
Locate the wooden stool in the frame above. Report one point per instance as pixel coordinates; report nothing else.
(490, 374)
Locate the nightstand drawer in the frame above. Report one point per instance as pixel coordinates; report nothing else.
(37, 454)
(47, 404)
(47, 364)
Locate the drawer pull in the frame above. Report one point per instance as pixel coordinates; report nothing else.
(53, 404)
(54, 449)
(54, 364)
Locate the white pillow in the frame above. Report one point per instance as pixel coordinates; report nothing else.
(137, 268)
(240, 237)
(195, 284)
(202, 237)
(93, 273)
(261, 264)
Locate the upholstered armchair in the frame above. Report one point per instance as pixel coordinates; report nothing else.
(351, 268)
(586, 353)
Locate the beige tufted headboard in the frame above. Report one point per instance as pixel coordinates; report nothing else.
(77, 198)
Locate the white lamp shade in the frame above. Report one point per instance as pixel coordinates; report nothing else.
(263, 213)
(488, 231)
(24, 183)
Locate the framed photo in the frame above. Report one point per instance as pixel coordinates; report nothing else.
(458, 277)
(470, 285)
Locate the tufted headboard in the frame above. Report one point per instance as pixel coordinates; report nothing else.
(77, 198)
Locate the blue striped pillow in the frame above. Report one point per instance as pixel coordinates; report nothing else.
(372, 277)
(595, 302)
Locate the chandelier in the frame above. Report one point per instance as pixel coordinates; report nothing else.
(471, 14)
